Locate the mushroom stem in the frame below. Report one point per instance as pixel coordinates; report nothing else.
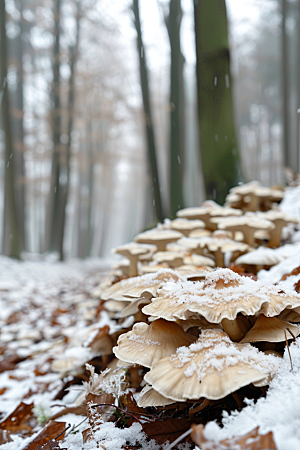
(219, 257)
(133, 269)
(233, 330)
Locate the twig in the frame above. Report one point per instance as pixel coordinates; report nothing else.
(184, 435)
(288, 347)
(76, 426)
(123, 410)
(69, 426)
(294, 337)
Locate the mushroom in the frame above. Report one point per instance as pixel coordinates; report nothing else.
(270, 329)
(220, 298)
(133, 251)
(253, 197)
(173, 259)
(136, 287)
(205, 213)
(134, 306)
(280, 220)
(146, 344)
(186, 226)
(150, 397)
(264, 258)
(159, 237)
(212, 367)
(248, 225)
(199, 233)
(223, 248)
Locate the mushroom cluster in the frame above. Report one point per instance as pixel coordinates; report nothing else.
(205, 340)
(194, 327)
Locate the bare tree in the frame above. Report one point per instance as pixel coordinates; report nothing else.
(147, 112)
(14, 244)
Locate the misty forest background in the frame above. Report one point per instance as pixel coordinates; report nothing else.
(101, 106)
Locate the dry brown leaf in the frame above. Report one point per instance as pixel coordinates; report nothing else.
(5, 437)
(87, 435)
(53, 431)
(131, 405)
(249, 441)
(21, 420)
(166, 430)
(2, 390)
(100, 414)
(6, 365)
(296, 271)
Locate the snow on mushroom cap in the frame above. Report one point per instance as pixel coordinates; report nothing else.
(123, 287)
(147, 344)
(223, 294)
(212, 367)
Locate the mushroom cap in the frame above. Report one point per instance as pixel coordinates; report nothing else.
(222, 295)
(198, 260)
(116, 305)
(185, 226)
(246, 188)
(134, 306)
(265, 256)
(150, 397)
(248, 221)
(192, 272)
(159, 237)
(273, 215)
(135, 287)
(132, 249)
(147, 344)
(173, 259)
(212, 367)
(199, 233)
(153, 268)
(270, 329)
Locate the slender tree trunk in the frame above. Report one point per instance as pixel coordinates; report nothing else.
(16, 47)
(219, 152)
(285, 87)
(65, 167)
(177, 107)
(62, 152)
(14, 245)
(52, 238)
(148, 113)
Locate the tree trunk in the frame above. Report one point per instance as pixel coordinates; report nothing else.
(52, 235)
(147, 113)
(14, 245)
(16, 46)
(65, 165)
(177, 107)
(62, 152)
(219, 152)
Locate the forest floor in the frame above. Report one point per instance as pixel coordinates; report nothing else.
(47, 314)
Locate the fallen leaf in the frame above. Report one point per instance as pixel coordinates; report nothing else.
(87, 435)
(249, 441)
(99, 414)
(4, 389)
(53, 431)
(131, 405)
(166, 430)
(6, 365)
(21, 420)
